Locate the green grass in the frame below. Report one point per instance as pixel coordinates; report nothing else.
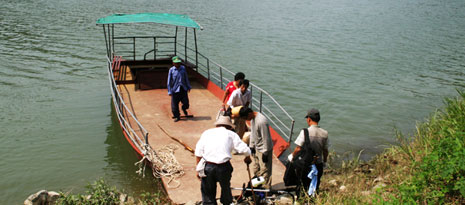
(438, 159)
(427, 168)
(101, 193)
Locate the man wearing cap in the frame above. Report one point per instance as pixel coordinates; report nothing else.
(260, 143)
(214, 150)
(318, 142)
(178, 86)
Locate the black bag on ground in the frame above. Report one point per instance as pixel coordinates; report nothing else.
(306, 156)
(290, 177)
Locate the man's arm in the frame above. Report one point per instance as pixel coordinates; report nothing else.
(226, 93)
(169, 82)
(231, 98)
(187, 80)
(325, 155)
(325, 150)
(296, 151)
(252, 137)
(239, 145)
(264, 133)
(199, 149)
(249, 98)
(299, 141)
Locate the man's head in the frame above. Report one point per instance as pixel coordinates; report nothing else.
(176, 61)
(224, 121)
(246, 113)
(313, 115)
(239, 76)
(243, 85)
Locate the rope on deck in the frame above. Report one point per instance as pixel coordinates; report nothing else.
(163, 162)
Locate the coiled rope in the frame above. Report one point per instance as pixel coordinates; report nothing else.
(163, 162)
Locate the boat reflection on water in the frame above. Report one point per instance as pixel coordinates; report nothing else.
(120, 170)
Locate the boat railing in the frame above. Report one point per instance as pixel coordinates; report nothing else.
(262, 101)
(167, 46)
(161, 46)
(138, 136)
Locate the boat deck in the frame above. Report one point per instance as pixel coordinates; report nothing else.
(153, 109)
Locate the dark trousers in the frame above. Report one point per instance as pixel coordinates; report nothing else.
(182, 97)
(305, 181)
(217, 173)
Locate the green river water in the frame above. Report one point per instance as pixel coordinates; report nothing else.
(370, 66)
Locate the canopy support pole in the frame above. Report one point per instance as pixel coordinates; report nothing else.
(175, 41)
(185, 46)
(113, 38)
(109, 43)
(106, 41)
(154, 48)
(196, 52)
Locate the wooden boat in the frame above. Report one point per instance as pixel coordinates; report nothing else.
(137, 70)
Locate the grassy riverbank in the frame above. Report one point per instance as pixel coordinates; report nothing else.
(99, 192)
(428, 167)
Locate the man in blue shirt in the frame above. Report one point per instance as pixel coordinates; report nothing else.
(178, 86)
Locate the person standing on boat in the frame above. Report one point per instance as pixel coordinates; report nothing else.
(231, 87)
(319, 144)
(213, 152)
(261, 144)
(178, 87)
(240, 97)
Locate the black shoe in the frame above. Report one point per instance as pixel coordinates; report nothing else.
(185, 112)
(177, 119)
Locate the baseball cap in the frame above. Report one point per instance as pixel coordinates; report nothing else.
(176, 59)
(313, 114)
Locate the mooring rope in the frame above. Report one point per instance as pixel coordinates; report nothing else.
(164, 164)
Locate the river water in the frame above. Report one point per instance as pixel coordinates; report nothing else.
(370, 66)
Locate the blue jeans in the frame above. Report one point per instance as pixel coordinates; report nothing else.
(217, 173)
(182, 97)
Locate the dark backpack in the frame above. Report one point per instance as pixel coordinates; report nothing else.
(306, 157)
(290, 176)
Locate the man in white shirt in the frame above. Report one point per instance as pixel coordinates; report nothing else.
(240, 97)
(214, 147)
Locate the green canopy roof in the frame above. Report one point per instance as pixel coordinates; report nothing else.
(161, 18)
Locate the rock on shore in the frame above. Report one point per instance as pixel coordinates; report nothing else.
(42, 197)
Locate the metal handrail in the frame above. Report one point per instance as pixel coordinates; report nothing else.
(214, 75)
(153, 50)
(119, 103)
(123, 37)
(155, 44)
(124, 104)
